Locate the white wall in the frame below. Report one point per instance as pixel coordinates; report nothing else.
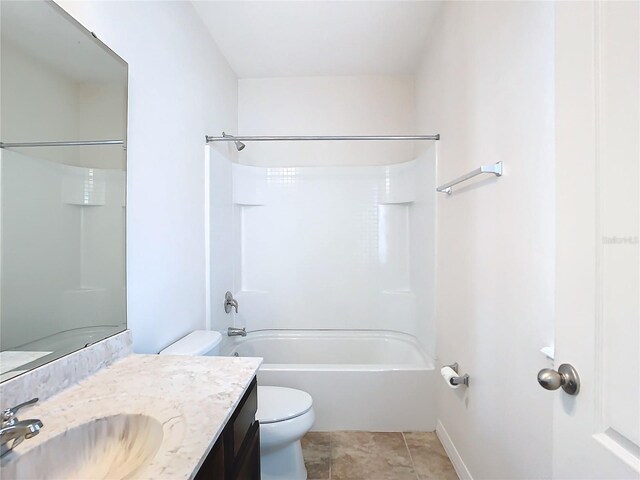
(366, 105)
(102, 114)
(180, 88)
(37, 103)
(41, 103)
(486, 85)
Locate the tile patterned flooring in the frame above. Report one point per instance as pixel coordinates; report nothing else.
(376, 456)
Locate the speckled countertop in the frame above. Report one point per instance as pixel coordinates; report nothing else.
(192, 397)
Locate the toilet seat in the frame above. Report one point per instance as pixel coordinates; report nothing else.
(277, 404)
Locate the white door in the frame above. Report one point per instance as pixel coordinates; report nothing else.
(597, 432)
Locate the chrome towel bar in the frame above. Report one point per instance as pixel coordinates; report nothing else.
(496, 169)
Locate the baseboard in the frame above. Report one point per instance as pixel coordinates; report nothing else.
(454, 456)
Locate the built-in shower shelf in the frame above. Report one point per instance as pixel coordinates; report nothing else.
(85, 187)
(398, 202)
(78, 204)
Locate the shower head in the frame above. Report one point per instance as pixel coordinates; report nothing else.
(239, 145)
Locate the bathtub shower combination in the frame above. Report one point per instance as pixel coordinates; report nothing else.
(355, 377)
(333, 272)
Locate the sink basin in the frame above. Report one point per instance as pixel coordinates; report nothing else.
(113, 447)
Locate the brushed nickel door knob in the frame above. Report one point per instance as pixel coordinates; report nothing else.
(566, 377)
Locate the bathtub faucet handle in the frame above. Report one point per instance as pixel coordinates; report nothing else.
(230, 302)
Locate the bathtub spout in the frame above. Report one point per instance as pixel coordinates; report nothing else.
(237, 332)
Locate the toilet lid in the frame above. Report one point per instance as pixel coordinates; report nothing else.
(276, 404)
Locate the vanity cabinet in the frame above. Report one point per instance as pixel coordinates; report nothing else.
(236, 453)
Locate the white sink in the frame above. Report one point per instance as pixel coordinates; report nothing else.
(113, 447)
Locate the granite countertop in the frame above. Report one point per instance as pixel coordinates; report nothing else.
(192, 397)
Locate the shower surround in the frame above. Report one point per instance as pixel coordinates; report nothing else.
(346, 249)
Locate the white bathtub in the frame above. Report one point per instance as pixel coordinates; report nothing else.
(359, 380)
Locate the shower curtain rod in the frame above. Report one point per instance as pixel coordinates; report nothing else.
(243, 138)
(73, 143)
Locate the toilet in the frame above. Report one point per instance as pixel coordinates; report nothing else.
(285, 414)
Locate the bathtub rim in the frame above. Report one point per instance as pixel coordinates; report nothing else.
(231, 344)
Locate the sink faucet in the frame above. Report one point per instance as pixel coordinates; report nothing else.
(14, 430)
(230, 302)
(237, 332)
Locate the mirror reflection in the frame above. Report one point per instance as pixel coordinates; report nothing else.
(63, 187)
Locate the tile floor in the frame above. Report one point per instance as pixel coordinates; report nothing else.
(376, 456)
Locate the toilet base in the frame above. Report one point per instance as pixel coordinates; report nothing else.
(280, 448)
(286, 462)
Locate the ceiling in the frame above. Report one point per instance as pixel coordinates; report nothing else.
(316, 38)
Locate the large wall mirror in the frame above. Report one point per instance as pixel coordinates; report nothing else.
(63, 123)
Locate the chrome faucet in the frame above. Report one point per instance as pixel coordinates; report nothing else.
(237, 332)
(14, 430)
(230, 302)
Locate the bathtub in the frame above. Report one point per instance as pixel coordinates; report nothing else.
(359, 380)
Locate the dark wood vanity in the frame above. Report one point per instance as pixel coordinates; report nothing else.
(236, 453)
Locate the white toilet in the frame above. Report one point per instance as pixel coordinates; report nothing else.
(285, 414)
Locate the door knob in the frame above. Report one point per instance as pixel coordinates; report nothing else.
(566, 377)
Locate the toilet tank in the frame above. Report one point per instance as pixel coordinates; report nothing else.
(200, 342)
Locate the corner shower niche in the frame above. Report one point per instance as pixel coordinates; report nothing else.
(332, 247)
